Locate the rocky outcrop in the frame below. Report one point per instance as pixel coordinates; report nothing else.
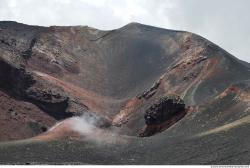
(51, 101)
(151, 91)
(21, 84)
(163, 109)
(162, 114)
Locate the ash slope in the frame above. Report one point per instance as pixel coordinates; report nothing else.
(52, 73)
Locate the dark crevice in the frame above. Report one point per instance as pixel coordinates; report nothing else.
(14, 80)
(28, 53)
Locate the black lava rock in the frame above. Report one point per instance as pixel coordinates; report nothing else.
(163, 109)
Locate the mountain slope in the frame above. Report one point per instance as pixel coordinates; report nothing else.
(49, 74)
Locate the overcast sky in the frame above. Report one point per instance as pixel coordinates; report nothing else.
(225, 22)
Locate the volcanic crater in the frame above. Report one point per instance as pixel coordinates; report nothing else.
(127, 91)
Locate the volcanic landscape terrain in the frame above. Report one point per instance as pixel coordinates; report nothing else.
(133, 95)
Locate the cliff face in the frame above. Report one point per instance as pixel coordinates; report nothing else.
(49, 74)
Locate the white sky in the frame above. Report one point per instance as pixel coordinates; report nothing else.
(225, 22)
